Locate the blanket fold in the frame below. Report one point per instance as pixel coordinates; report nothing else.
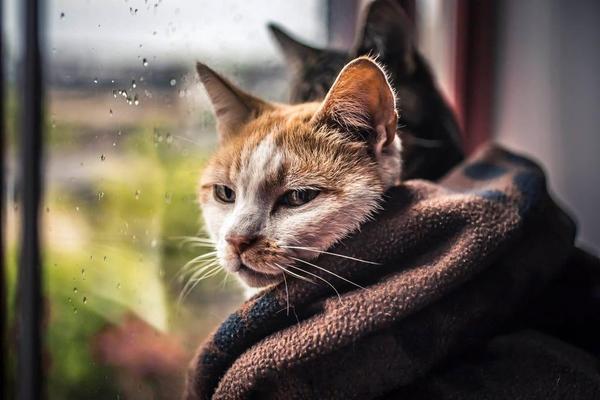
(460, 260)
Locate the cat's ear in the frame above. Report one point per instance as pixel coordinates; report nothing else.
(388, 34)
(362, 101)
(233, 107)
(296, 53)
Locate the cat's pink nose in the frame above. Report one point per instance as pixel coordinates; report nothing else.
(241, 242)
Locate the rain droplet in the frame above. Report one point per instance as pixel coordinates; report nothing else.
(75, 290)
(102, 157)
(100, 195)
(137, 194)
(118, 286)
(105, 258)
(77, 208)
(95, 80)
(173, 82)
(133, 84)
(144, 62)
(110, 111)
(69, 300)
(74, 310)
(84, 299)
(136, 101)
(153, 243)
(62, 15)
(169, 138)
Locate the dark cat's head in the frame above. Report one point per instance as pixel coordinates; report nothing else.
(429, 130)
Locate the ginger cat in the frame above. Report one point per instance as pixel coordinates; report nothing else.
(289, 181)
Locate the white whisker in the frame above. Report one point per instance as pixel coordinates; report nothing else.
(203, 268)
(207, 257)
(329, 272)
(330, 253)
(287, 294)
(295, 274)
(320, 278)
(193, 282)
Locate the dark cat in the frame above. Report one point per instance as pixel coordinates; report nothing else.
(427, 126)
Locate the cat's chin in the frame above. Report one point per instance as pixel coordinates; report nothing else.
(256, 279)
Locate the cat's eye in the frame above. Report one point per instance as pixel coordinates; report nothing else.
(298, 197)
(224, 194)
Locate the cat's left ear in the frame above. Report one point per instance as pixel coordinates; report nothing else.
(296, 53)
(387, 33)
(233, 107)
(362, 101)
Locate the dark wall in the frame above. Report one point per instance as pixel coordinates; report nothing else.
(548, 98)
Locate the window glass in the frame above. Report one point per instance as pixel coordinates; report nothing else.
(127, 131)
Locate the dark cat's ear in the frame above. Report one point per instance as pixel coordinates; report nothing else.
(362, 101)
(387, 33)
(233, 107)
(296, 53)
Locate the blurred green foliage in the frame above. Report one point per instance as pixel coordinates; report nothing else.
(116, 205)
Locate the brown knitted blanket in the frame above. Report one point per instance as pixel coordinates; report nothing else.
(447, 314)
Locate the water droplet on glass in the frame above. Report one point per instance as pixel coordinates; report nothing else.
(153, 243)
(118, 286)
(74, 310)
(114, 144)
(62, 15)
(136, 101)
(100, 195)
(173, 82)
(75, 290)
(47, 209)
(69, 300)
(77, 208)
(133, 84)
(95, 80)
(102, 157)
(144, 62)
(169, 138)
(137, 194)
(168, 198)
(110, 112)
(84, 300)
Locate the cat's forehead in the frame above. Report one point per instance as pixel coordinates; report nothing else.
(283, 149)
